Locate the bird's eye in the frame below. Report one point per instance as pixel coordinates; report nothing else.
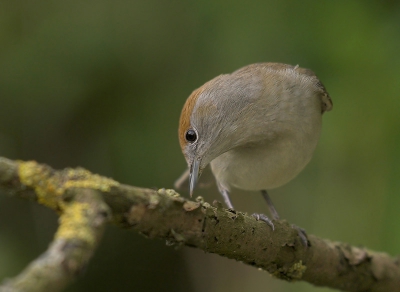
(191, 136)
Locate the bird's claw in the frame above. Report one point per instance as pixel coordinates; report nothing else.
(264, 218)
(302, 234)
(300, 231)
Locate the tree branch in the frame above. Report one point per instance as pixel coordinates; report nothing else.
(84, 199)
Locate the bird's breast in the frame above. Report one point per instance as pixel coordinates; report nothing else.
(263, 166)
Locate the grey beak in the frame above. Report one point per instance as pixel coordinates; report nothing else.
(194, 175)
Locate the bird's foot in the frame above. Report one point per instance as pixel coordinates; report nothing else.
(302, 234)
(264, 218)
(300, 231)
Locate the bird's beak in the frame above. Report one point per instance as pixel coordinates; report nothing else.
(194, 174)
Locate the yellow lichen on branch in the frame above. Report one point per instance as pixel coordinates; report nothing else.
(37, 176)
(82, 178)
(74, 223)
(50, 186)
(293, 273)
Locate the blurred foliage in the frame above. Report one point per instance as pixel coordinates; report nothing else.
(100, 84)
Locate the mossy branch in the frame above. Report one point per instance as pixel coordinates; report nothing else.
(86, 202)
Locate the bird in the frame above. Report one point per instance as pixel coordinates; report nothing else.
(257, 128)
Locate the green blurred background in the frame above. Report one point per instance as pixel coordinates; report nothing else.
(100, 84)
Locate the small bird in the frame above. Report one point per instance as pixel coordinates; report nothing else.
(257, 127)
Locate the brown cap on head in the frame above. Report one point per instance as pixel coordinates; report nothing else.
(184, 121)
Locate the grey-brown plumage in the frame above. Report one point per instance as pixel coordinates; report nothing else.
(258, 127)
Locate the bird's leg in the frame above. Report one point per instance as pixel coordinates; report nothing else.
(301, 232)
(227, 199)
(272, 210)
(271, 206)
(225, 194)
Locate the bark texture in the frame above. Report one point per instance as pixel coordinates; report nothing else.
(86, 202)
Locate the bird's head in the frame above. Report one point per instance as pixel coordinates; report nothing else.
(212, 120)
(196, 135)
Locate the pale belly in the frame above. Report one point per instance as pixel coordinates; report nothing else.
(261, 168)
